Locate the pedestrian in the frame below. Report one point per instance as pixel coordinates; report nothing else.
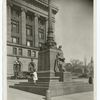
(90, 80)
(35, 77)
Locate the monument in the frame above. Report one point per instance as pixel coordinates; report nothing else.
(51, 73)
(50, 57)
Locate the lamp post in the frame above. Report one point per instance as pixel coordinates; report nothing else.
(50, 36)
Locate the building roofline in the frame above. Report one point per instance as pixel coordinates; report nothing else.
(44, 3)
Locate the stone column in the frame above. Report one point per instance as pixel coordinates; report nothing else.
(36, 30)
(23, 26)
(9, 39)
(46, 27)
(53, 26)
(33, 30)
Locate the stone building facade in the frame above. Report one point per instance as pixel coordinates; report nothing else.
(27, 29)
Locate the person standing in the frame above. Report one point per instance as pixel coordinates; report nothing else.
(35, 77)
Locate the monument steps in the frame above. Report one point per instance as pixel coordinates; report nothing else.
(31, 89)
(57, 89)
(52, 83)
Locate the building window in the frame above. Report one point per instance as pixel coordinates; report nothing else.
(41, 29)
(29, 17)
(41, 44)
(41, 34)
(33, 53)
(29, 43)
(29, 53)
(15, 51)
(20, 51)
(15, 40)
(14, 26)
(29, 30)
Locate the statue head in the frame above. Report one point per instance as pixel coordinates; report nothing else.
(60, 47)
(17, 58)
(31, 59)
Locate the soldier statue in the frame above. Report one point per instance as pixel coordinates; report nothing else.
(31, 66)
(17, 68)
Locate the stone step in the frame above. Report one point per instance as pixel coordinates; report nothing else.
(31, 89)
(47, 79)
(46, 84)
(32, 84)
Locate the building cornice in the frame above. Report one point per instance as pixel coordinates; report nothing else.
(45, 3)
(22, 46)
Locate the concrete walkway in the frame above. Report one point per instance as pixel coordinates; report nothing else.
(78, 96)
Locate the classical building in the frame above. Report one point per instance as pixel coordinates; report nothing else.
(27, 29)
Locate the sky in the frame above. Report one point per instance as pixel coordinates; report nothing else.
(74, 28)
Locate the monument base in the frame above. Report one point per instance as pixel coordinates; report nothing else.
(59, 83)
(56, 88)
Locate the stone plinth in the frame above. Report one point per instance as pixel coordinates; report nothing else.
(47, 59)
(67, 77)
(64, 76)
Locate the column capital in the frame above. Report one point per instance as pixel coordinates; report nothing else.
(10, 4)
(36, 15)
(23, 10)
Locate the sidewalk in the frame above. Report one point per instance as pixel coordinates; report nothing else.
(78, 96)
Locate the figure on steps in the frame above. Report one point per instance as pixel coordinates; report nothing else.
(35, 77)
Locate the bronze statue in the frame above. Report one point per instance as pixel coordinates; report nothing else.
(17, 67)
(59, 63)
(31, 66)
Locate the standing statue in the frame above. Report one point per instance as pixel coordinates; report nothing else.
(59, 61)
(56, 68)
(31, 66)
(17, 67)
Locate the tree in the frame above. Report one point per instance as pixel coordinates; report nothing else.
(77, 65)
(68, 67)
